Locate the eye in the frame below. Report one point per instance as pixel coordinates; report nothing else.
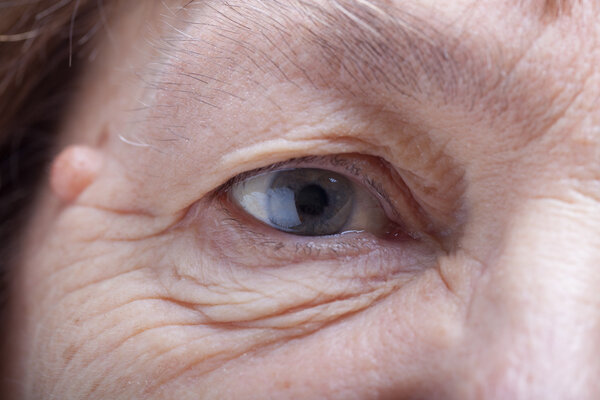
(309, 202)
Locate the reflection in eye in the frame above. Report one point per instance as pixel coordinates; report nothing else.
(309, 202)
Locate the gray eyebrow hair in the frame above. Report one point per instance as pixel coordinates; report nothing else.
(351, 45)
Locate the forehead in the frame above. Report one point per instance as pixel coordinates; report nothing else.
(466, 39)
(470, 54)
(487, 81)
(497, 79)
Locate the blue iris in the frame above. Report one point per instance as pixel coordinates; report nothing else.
(309, 201)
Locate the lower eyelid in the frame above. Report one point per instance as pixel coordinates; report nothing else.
(248, 244)
(229, 271)
(239, 234)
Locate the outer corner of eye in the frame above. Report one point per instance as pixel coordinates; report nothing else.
(308, 202)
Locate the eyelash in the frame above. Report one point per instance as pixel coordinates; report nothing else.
(312, 161)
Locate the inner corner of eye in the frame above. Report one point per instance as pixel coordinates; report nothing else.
(309, 202)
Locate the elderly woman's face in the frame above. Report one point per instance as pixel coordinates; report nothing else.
(358, 199)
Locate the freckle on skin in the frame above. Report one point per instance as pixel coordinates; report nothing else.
(73, 171)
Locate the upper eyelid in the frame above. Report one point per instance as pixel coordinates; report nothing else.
(261, 170)
(305, 162)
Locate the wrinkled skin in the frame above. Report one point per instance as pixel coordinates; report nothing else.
(148, 283)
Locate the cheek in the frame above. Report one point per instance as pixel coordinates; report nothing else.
(89, 292)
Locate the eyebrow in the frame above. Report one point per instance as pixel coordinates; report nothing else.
(556, 8)
(353, 46)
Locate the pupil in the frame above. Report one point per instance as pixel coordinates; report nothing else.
(312, 200)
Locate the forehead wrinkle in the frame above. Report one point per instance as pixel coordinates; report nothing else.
(354, 45)
(373, 46)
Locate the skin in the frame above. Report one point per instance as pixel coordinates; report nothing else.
(139, 279)
(73, 171)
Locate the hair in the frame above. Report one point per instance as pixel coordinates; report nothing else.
(43, 45)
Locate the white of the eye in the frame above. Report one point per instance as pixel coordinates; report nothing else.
(255, 204)
(271, 206)
(283, 208)
(252, 196)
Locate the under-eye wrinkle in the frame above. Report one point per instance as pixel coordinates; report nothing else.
(314, 208)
